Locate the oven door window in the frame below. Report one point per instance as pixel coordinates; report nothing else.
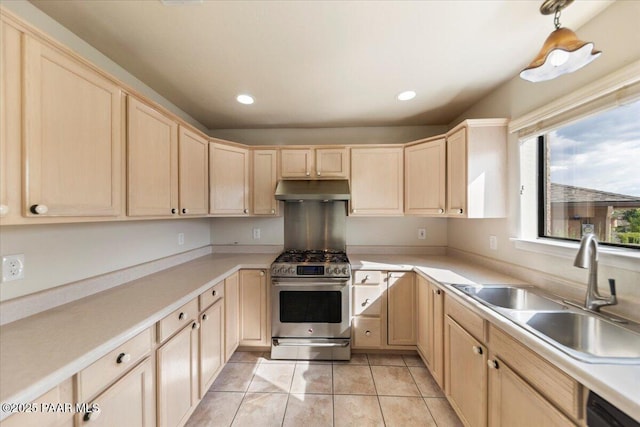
(310, 306)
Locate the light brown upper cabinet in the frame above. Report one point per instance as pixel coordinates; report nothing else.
(377, 181)
(228, 180)
(312, 163)
(72, 136)
(264, 181)
(477, 169)
(10, 133)
(193, 173)
(425, 177)
(152, 160)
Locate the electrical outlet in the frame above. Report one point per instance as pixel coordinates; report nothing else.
(422, 233)
(180, 239)
(12, 267)
(493, 243)
(256, 234)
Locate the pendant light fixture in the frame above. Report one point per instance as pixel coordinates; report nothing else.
(562, 52)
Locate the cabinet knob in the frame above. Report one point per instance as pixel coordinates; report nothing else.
(460, 211)
(261, 273)
(4, 209)
(246, 211)
(123, 358)
(437, 291)
(39, 209)
(477, 349)
(214, 292)
(195, 325)
(174, 211)
(273, 211)
(181, 316)
(493, 364)
(353, 211)
(308, 173)
(440, 210)
(368, 333)
(185, 210)
(204, 317)
(318, 173)
(93, 414)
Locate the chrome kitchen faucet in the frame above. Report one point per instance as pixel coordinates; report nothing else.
(587, 257)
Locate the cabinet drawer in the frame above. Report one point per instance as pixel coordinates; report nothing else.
(211, 295)
(470, 321)
(367, 277)
(367, 300)
(176, 320)
(555, 385)
(113, 365)
(366, 332)
(61, 394)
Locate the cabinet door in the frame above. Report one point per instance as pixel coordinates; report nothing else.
(512, 401)
(465, 374)
(153, 161)
(332, 163)
(211, 345)
(436, 328)
(425, 178)
(402, 309)
(10, 117)
(296, 162)
(72, 136)
(253, 308)
(424, 323)
(457, 173)
(229, 180)
(376, 181)
(193, 173)
(265, 179)
(60, 395)
(178, 377)
(231, 314)
(129, 402)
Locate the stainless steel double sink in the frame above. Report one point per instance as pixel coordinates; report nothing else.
(583, 335)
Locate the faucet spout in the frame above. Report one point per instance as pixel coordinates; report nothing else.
(587, 257)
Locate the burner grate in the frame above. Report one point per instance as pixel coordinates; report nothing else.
(312, 256)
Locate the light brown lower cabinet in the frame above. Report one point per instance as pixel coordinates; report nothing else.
(430, 328)
(465, 374)
(128, 402)
(513, 402)
(254, 307)
(401, 300)
(178, 389)
(61, 394)
(211, 345)
(231, 314)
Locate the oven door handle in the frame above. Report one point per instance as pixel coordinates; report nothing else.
(287, 343)
(299, 283)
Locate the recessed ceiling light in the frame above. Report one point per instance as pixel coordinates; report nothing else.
(245, 99)
(406, 95)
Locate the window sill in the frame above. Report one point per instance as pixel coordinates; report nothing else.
(627, 259)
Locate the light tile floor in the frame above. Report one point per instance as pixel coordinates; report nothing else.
(368, 390)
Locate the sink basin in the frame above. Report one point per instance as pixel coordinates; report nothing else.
(510, 297)
(585, 335)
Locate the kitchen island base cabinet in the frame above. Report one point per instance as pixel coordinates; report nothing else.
(178, 377)
(129, 402)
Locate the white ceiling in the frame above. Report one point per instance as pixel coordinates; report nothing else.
(318, 63)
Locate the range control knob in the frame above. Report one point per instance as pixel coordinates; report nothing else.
(291, 270)
(344, 270)
(329, 270)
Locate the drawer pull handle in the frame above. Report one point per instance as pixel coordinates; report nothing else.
(181, 316)
(93, 414)
(493, 364)
(368, 333)
(365, 302)
(123, 358)
(477, 349)
(204, 317)
(195, 325)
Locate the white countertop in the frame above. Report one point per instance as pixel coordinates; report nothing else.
(39, 352)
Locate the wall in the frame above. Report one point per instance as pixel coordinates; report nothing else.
(361, 231)
(615, 32)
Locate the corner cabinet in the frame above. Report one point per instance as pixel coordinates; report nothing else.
(72, 137)
(228, 180)
(477, 169)
(377, 179)
(425, 178)
(152, 161)
(264, 180)
(193, 173)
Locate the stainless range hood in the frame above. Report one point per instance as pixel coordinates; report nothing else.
(294, 190)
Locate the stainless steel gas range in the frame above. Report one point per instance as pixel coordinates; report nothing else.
(311, 310)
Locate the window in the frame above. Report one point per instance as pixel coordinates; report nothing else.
(589, 178)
